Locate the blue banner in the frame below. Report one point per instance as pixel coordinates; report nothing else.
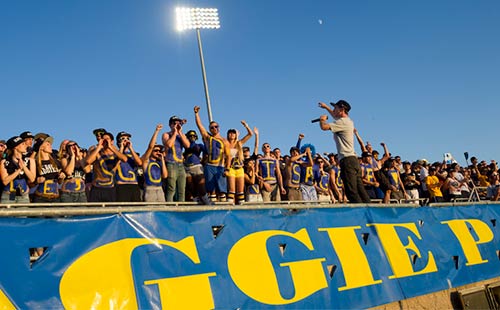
(265, 258)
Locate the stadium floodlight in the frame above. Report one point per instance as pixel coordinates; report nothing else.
(199, 18)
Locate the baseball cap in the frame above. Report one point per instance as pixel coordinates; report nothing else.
(159, 146)
(99, 131)
(174, 119)
(342, 104)
(122, 134)
(14, 141)
(366, 154)
(26, 135)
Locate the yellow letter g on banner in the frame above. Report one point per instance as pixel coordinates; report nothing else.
(253, 273)
(102, 278)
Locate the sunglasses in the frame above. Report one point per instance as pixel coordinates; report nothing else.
(267, 146)
(214, 127)
(156, 151)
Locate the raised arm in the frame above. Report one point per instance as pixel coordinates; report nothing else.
(387, 155)
(309, 157)
(360, 141)
(256, 145)
(299, 140)
(152, 142)
(202, 129)
(249, 133)
(326, 107)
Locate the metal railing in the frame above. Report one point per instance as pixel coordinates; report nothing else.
(78, 209)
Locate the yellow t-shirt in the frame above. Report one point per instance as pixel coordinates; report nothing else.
(433, 186)
(483, 180)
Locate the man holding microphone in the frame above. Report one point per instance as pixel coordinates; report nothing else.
(342, 128)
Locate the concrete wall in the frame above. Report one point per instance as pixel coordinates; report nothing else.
(447, 299)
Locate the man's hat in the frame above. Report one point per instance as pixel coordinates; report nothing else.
(14, 141)
(122, 134)
(26, 135)
(366, 154)
(159, 146)
(174, 119)
(99, 131)
(342, 104)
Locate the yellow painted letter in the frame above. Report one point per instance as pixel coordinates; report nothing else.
(102, 278)
(177, 293)
(252, 271)
(467, 242)
(5, 303)
(397, 252)
(357, 272)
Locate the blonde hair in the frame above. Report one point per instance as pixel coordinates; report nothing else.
(52, 160)
(62, 148)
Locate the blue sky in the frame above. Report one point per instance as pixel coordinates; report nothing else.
(422, 76)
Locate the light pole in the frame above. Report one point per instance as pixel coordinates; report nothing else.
(199, 18)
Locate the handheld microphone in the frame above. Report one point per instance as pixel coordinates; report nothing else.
(316, 120)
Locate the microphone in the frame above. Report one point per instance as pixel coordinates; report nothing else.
(316, 120)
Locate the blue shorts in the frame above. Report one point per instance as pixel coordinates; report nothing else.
(215, 179)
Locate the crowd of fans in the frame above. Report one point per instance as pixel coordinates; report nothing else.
(217, 168)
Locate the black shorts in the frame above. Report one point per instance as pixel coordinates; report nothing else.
(102, 194)
(128, 193)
